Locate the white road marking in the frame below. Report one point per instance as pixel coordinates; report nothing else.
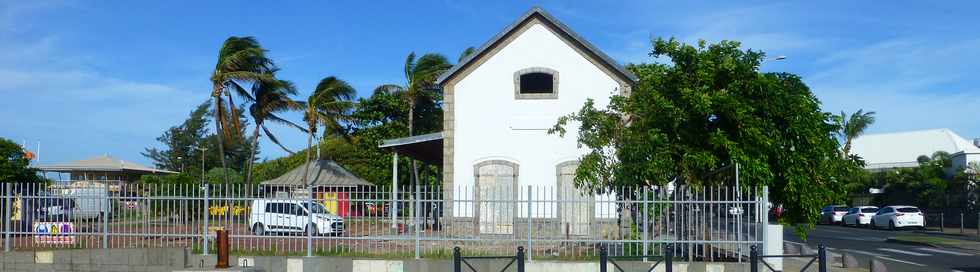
(904, 252)
(865, 252)
(954, 270)
(791, 242)
(901, 261)
(936, 250)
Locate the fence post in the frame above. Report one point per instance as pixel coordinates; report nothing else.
(207, 217)
(418, 224)
(457, 260)
(105, 216)
(942, 222)
(530, 228)
(754, 258)
(603, 258)
(309, 221)
(6, 216)
(669, 258)
(520, 259)
(646, 224)
(822, 258)
(961, 222)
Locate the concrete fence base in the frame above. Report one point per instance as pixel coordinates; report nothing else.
(179, 259)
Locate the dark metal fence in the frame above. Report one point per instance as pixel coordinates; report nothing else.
(820, 258)
(459, 260)
(667, 259)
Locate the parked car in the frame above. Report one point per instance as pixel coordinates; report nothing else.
(52, 208)
(90, 202)
(832, 214)
(860, 215)
(895, 217)
(292, 216)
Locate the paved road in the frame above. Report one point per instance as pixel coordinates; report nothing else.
(866, 244)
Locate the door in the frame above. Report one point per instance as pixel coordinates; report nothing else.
(496, 191)
(575, 207)
(292, 217)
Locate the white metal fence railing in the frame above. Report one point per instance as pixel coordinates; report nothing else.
(700, 223)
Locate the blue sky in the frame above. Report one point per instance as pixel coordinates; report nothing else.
(89, 78)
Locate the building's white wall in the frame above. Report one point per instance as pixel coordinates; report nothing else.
(486, 112)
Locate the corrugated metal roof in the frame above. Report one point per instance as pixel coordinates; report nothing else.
(324, 173)
(561, 27)
(901, 149)
(101, 163)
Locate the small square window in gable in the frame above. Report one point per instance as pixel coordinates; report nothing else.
(536, 83)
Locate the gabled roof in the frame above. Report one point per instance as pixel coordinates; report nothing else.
(537, 12)
(901, 149)
(324, 173)
(101, 163)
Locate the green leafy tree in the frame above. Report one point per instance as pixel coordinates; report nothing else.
(15, 165)
(241, 61)
(705, 110)
(853, 126)
(270, 99)
(328, 106)
(182, 142)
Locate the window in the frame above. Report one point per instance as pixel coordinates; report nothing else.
(869, 210)
(908, 210)
(536, 83)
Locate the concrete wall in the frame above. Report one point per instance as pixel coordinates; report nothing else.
(177, 259)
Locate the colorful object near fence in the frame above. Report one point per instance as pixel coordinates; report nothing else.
(223, 210)
(54, 233)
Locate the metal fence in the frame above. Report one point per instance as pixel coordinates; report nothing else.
(711, 224)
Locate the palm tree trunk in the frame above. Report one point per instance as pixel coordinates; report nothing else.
(251, 157)
(218, 133)
(411, 132)
(306, 168)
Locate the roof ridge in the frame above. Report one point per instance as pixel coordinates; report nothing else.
(575, 37)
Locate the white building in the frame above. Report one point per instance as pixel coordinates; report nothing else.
(901, 149)
(499, 104)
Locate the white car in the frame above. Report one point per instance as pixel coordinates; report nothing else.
(292, 216)
(860, 215)
(832, 214)
(894, 217)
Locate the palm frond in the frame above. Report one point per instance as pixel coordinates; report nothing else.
(275, 140)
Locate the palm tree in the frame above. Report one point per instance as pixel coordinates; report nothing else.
(328, 106)
(420, 77)
(853, 126)
(270, 98)
(241, 60)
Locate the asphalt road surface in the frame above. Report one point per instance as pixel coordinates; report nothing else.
(866, 244)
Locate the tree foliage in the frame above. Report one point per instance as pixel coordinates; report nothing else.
(706, 109)
(181, 145)
(14, 164)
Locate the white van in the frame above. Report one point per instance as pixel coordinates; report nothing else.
(90, 202)
(292, 216)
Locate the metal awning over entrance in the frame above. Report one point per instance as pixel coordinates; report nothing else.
(426, 148)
